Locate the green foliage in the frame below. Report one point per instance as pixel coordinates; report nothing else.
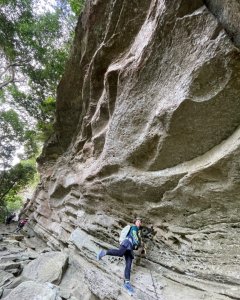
(14, 180)
(44, 130)
(48, 107)
(76, 6)
(45, 127)
(12, 133)
(12, 119)
(31, 145)
(13, 202)
(43, 36)
(33, 51)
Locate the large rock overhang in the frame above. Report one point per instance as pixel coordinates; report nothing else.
(148, 115)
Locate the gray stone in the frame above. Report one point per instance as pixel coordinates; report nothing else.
(65, 293)
(101, 287)
(83, 240)
(5, 278)
(228, 14)
(11, 241)
(16, 281)
(15, 272)
(18, 237)
(48, 267)
(9, 265)
(33, 290)
(6, 292)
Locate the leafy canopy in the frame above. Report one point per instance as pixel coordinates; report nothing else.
(33, 51)
(35, 39)
(12, 134)
(12, 181)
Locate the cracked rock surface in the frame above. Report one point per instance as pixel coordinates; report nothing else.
(147, 124)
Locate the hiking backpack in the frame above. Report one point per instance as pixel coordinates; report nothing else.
(123, 234)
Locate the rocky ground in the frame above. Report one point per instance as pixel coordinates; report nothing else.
(29, 269)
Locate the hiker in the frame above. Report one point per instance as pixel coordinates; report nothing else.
(9, 218)
(21, 224)
(130, 242)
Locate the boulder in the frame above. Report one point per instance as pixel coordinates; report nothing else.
(34, 290)
(48, 267)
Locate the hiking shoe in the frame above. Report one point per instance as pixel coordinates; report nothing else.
(127, 286)
(101, 254)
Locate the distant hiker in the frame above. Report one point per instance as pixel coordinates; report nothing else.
(129, 241)
(21, 224)
(9, 218)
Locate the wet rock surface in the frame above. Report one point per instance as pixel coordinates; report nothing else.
(148, 117)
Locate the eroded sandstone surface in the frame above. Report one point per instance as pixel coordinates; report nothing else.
(147, 124)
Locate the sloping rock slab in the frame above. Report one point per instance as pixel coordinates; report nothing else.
(33, 290)
(5, 278)
(82, 240)
(10, 265)
(99, 286)
(48, 267)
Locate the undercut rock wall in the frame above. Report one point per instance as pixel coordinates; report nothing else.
(147, 123)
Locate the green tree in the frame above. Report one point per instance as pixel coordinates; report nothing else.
(12, 134)
(33, 51)
(34, 45)
(76, 6)
(45, 127)
(12, 181)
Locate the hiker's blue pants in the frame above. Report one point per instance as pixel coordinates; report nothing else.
(123, 251)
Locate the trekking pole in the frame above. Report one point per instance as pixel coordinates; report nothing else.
(153, 284)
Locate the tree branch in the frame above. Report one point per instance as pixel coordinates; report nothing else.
(11, 68)
(7, 191)
(11, 80)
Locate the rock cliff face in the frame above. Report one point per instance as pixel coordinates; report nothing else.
(147, 124)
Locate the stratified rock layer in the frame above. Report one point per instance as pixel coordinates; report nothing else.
(148, 115)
